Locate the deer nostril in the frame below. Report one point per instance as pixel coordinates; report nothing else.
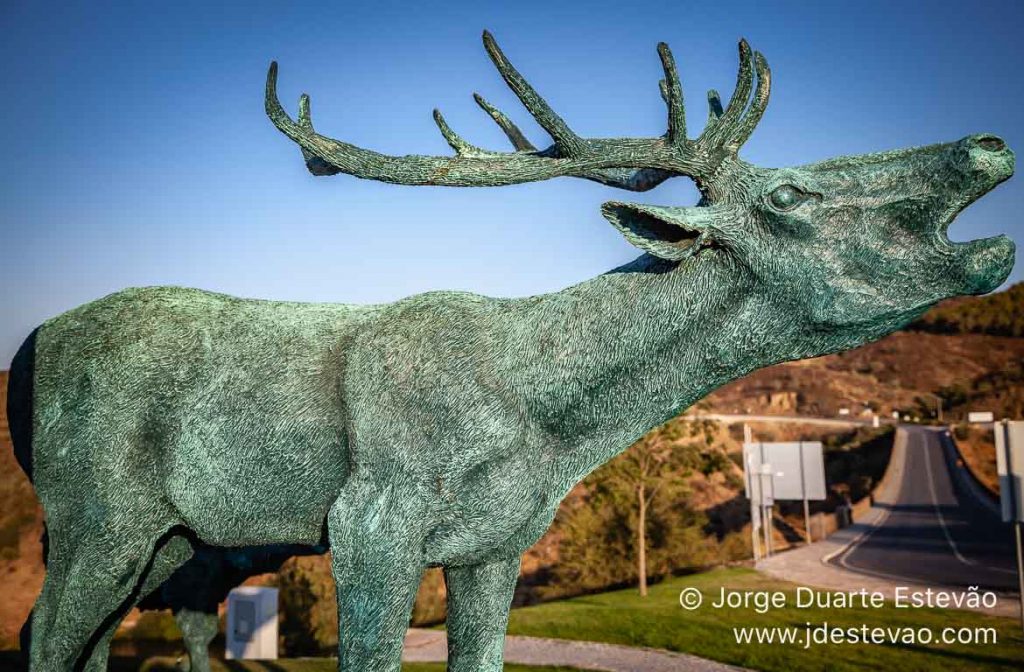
(991, 143)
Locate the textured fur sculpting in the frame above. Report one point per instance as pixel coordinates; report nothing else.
(444, 429)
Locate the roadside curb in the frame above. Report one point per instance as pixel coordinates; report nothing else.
(881, 492)
(963, 477)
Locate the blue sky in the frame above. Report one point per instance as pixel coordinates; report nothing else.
(135, 150)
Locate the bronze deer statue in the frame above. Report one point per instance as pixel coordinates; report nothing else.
(444, 429)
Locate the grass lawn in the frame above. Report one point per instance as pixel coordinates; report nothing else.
(623, 617)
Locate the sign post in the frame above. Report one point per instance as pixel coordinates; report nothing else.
(757, 480)
(767, 500)
(795, 471)
(1020, 570)
(803, 488)
(755, 530)
(1010, 465)
(759, 492)
(755, 502)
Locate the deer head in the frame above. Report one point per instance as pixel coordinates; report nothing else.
(855, 240)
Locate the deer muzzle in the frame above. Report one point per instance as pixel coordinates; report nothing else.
(986, 263)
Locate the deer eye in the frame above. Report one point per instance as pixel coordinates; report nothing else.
(786, 197)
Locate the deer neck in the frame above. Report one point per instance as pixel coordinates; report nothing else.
(605, 361)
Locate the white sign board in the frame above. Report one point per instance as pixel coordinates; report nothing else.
(252, 624)
(797, 468)
(980, 416)
(1010, 465)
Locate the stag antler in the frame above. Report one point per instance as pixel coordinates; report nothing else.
(637, 164)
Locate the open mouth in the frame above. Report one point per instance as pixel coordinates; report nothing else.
(989, 163)
(985, 263)
(962, 204)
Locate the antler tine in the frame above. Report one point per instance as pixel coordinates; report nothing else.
(277, 114)
(672, 92)
(314, 164)
(760, 102)
(566, 141)
(326, 156)
(305, 117)
(744, 83)
(305, 121)
(454, 140)
(515, 136)
(714, 106)
(718, 134)
(633, 179)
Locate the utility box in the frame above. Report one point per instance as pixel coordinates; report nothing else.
(252, 624)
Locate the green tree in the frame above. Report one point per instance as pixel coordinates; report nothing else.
(634, 520)
(650, 466)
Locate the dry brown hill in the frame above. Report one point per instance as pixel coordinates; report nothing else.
(959, 351)
(898, 373)
(998, 314)
(21, 523)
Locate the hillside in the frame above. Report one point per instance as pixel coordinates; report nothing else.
(959, 351)
(21, 564)
(898, 373)
(998, 314)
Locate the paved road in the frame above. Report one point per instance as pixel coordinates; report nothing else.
(934, 528)
(824, 422)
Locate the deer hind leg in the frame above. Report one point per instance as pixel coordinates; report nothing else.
(90, 585)
(198, 628)
(479, 597)
(377, 566)
(171, 552)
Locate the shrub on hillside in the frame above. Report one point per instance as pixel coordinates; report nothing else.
(999, 314)
(308, 607)
(309, 612)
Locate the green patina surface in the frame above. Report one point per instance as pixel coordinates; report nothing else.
(445, 428)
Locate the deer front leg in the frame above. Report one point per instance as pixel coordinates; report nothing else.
(479, 597)
(376, 560)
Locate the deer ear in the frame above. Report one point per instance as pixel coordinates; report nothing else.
(671, 233)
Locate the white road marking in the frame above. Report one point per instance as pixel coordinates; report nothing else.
(938, 511)
(846, 551)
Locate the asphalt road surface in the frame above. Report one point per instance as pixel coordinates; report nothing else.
(936, 530)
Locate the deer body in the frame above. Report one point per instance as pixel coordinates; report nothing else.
(556, 395)
(444, 429)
